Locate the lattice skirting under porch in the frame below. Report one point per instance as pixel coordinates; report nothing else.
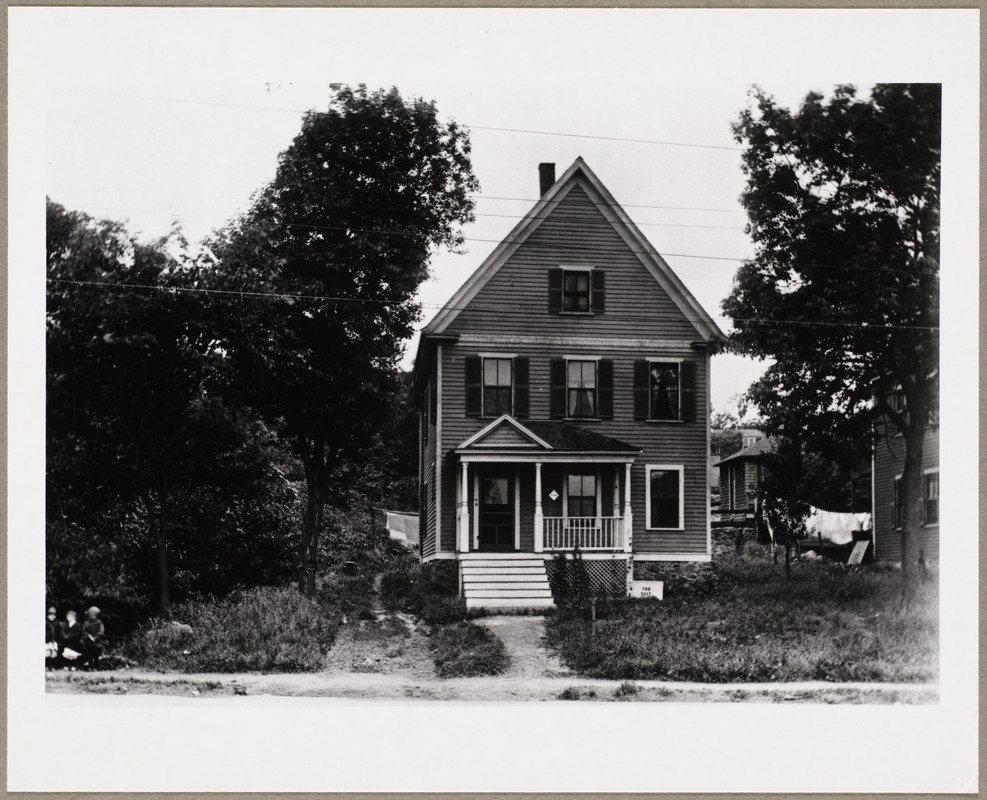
(606, 578)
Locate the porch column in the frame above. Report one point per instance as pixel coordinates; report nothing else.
(464, 511)
(628, 514)
(539, 519)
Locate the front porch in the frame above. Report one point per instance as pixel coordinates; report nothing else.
(543, 488)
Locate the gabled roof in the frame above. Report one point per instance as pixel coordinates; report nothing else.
(579, 173)
(506, 433)
(758, 450)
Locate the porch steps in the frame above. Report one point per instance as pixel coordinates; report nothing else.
(506, 583)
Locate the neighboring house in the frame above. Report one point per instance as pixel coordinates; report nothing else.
(725, 442)
(888, 466)
(741, 476)
(564, 400)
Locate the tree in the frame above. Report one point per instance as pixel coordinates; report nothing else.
(843, 292)
(149, 474)
(364, 195)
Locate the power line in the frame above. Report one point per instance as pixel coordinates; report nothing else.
(471, 127)
(388, 232)
(479, 197)
(488, 308)
(585, 219)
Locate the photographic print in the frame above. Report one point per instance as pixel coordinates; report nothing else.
(400, 378)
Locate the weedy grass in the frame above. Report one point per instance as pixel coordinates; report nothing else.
(464, 649)
(264, 629)
(827, 622)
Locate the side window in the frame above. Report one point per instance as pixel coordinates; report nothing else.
(575, 290)
(932, 498)
(664, 497)
(498, 382)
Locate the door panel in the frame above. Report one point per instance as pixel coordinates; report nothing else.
(497, 511)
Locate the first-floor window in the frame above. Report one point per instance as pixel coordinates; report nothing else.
(932, 498)
(581, 382)
(896, 502)
(664, 490)
(497, 383)
(582, 495)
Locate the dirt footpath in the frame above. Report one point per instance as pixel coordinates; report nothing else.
(523, 636)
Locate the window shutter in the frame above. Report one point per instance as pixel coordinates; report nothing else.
(474, 386)
(555, 290)
(521, 394)
(641, 390)
(687, 390)
(604, 382)
(598, 303)
(557, 394)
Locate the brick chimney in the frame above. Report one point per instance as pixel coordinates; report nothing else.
(546, 178)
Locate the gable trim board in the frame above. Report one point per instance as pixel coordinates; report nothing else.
(503, 419)
(589, 342)
(580, 174)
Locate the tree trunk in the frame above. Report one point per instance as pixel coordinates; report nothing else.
(164, 578)
(788, 559)
(311, 526)
(317, 471)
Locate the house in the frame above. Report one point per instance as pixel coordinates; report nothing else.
(725, 442)
(741, 475)
(887, 468)
(563, 397)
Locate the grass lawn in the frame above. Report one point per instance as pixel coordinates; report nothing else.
(748, 623)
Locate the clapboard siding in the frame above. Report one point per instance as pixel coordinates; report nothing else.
(515, 299)
(669, 443)
(427, 467)
(889, 460)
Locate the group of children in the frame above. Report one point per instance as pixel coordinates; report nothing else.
(70, 644)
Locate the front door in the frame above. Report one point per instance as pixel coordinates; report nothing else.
(497, 511)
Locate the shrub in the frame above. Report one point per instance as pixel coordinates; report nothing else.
(348, 594)
(466, 649)
(262, 629)
(427, 591)
(626, 689)
(438, 609)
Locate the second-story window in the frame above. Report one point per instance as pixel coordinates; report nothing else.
(576, 290)
(581, 388)
(497, 386)
(665, 390)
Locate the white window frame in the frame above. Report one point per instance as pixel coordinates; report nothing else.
(483, 371)
(925, 498)
(678, 394)
(588, 268)
(648, 469)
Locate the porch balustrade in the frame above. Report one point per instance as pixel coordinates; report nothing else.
(590, 533)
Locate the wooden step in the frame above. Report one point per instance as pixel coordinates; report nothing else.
(503, 565)
(494, 602)
(473, 588)
(512, 577)
(546, 592)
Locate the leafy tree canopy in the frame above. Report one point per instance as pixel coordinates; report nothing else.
(362, 198)
(842, 198)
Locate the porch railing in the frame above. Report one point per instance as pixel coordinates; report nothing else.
(590, 533)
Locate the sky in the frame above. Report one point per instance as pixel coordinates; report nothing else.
(146, 124)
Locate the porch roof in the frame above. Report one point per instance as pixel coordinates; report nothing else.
(542, 438)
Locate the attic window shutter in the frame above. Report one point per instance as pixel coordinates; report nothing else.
(555, 290)
(599, 295)
(687, 390)
(557, 393)
(521, 394)
(604, 380)
(641, 389)
(474, 387)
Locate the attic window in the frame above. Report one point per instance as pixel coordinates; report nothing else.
(576, 290)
